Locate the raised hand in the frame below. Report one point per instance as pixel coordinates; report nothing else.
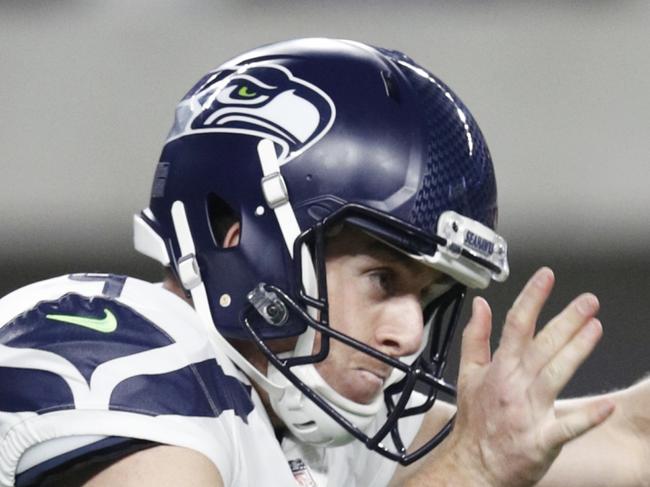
(507, 431)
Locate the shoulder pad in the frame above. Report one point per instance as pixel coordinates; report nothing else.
(109, 342)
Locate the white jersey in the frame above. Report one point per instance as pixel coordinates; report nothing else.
(87, 360)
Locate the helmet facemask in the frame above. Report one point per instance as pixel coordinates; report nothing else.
(416, 381)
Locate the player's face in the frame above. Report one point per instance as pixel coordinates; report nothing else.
(375, 296)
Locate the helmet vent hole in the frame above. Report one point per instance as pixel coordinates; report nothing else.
(222, 217)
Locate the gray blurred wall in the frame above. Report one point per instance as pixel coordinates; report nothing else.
(560, 89)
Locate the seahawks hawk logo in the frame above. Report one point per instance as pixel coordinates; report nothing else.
(259, 99)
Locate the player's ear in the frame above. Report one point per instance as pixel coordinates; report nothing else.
(232, 236)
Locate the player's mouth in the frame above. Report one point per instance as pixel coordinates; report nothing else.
(369, 383)
(373, 376)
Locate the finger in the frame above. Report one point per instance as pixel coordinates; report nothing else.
(555, 375)
(475, 346)
(520, 323)
(559, 331)
(574, 424)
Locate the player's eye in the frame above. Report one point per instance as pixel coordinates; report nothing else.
(383, 280)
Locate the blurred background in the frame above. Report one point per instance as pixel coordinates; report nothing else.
(560, 89)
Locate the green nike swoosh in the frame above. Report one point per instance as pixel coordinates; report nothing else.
(107, 324)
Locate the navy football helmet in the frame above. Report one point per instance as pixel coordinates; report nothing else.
(293, 140)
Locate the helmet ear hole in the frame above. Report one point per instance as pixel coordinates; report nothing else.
(222, 217)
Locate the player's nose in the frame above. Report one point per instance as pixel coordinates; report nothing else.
(401, 329)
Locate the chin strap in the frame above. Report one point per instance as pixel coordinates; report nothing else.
(276, 193)
(189, 273)
(287, 400)
(277, 198)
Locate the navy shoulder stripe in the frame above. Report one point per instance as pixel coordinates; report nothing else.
(85, 331)
(33, 390)
(201, 389)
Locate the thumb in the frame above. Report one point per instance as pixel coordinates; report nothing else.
(475, 346)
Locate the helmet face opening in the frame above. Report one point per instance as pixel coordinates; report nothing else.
(293, 141)
(414, 383)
